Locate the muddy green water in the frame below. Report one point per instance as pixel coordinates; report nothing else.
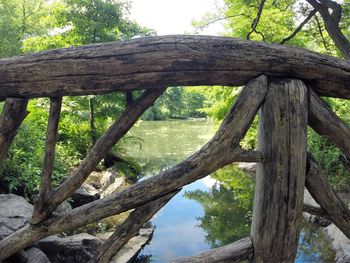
(207, 213)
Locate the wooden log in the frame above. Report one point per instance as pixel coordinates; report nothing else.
(279, 189)
(102, 146)
(235, 252)
(317, 211)
(325, 122)
(14, 112)
(129, 229)
(163, 61)
(43, 199)
(221, 150)
(324, 195)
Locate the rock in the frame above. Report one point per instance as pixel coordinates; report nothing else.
(249, 168)
(85, 194)
(133, 247)
(113, 187)
(35, 255)
(94, 179)
(107, 179)
(71, 249)
(15, 212)
(63, 207)
(338, 242)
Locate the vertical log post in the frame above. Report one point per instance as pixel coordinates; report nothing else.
(43, 199)
(280, 179)
(13, 114)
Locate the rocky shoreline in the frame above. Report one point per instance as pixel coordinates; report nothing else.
(15, 212)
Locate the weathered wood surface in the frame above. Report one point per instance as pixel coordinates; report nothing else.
(321, 191)
(221, 150)
(129, 229)
(325, 122)
(14, 112)
(156, 62)
(235, 252)
(43, 198)
(102, 146)
(279, 188)
(317, 211)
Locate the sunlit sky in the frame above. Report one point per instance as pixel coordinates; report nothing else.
(173, 16)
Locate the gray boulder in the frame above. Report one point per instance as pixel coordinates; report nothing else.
(339, 243)
(85, 194)
(35, 255)
(71, 249)
(15, 212)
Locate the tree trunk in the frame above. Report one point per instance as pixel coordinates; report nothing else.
(279, 189)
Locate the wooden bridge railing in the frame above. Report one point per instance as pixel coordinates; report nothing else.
(284, 83)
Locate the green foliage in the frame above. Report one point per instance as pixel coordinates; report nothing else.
(278, 20)
(22, 168)
(227, 206)
(177, 103)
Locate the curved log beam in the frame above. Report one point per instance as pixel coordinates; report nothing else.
(325, 122)
(321, 191)
(221, 150)
(235, 252)
(156, 62)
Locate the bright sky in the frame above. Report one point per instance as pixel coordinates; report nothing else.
(173, 16)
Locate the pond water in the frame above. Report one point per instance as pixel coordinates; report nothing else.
(210, 212)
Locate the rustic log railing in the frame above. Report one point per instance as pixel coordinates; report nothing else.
(284, 83)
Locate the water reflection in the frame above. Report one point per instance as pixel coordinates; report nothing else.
(207, 213)
(228, 207)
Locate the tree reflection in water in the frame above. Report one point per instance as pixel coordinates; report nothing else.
(228, 206)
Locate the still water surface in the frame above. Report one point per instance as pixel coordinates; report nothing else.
(207, 213)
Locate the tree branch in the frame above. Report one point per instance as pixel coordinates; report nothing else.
(300, 27)
(321, 34)
(257, 19)
(331, 22)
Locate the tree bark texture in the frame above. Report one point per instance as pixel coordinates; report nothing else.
(221, 150)
(102, 146)
(164, 61)
(321, 191)
(235, 252)
(14, 112)
(280, 180)
(129, 229)
(331, 21)
(43, 198)
(325, 122)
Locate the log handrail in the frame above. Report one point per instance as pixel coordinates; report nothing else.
(154, 63)
(163, 61)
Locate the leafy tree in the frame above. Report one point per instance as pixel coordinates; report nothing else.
(319, 25)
